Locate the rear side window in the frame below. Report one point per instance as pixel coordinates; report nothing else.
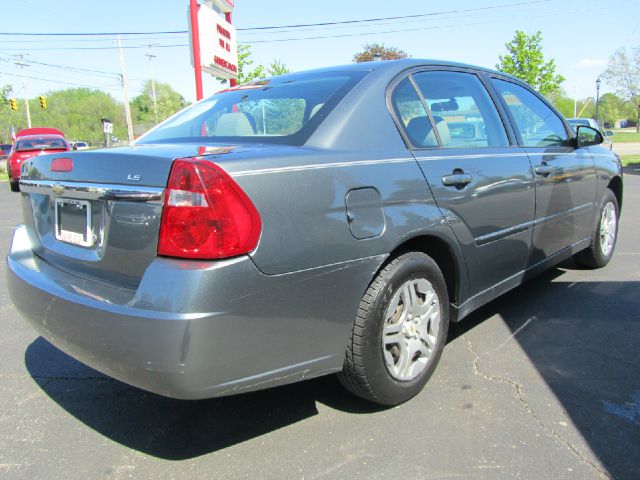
(537, 124)
(462, 110)
(412, 115)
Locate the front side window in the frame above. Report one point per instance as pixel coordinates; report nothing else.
(462, 110)
(538, 125)
(279, 110)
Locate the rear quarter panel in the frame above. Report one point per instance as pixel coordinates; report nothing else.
(301, 195)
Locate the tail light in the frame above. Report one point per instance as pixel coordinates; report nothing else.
(206, 215)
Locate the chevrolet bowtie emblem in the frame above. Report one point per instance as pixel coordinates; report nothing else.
(57, 189)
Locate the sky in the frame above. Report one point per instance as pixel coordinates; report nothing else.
(579, 35)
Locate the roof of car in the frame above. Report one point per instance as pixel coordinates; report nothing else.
(397, 66)
(44, 135)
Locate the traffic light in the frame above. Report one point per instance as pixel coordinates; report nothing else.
(43, 102)
(13, 104)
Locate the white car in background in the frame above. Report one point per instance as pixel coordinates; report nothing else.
(590, 122)
(79, 145)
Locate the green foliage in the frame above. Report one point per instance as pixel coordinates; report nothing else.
(630, 160)
(585, 107)
(623, 73)
(563, 104)
(525, 61)
(246, 74)
(169, 102)
(5, 94)
(613, 108)
(75, 111)
(277, 68)
(371, 49)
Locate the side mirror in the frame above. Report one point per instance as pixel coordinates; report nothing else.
(608, 133)
(588, 136)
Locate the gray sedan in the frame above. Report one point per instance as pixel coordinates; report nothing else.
(332, 221)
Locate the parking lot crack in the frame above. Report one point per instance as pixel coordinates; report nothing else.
(518, 390)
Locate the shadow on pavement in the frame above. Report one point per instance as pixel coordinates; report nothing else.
(632, 169)
(177, 429)
(583, 338)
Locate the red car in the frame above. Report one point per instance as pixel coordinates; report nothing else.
(29, 143)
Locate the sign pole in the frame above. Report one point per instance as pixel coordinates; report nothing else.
(227, 16)
(195, 40)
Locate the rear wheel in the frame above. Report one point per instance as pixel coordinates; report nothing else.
(399, 331)
(604, 237)
(15, 185)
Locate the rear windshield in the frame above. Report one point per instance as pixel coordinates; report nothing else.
(40, 144)
(280, 110)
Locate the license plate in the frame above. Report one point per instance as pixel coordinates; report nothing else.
(73, 221)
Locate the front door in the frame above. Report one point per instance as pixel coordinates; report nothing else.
(565, 176)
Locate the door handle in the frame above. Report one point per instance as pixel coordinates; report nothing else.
(544, 170)
(458, 180)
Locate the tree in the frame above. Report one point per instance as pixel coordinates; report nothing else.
(623, 73)
(169, 102)
(525, 61)
(246, 75)
(5, 92)
(277, 68)
(5, 110)
(372, 49)
(75, 111)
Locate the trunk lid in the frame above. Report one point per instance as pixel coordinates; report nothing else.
(102, 217)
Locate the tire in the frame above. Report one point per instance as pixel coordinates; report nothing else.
(378, 366)
(604, 237)
(15, 186)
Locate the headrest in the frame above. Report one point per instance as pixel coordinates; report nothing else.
(235, 124)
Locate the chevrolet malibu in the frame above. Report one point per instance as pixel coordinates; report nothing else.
(332, 221)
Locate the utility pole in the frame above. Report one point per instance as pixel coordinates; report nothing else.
(150, 56)
(575, 101)
(125, 94)
(25, 86)
(598, 82)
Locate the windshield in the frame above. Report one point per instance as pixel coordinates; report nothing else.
(40, 144)
(280, 110)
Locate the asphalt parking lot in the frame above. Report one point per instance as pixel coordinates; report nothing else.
(543, 383)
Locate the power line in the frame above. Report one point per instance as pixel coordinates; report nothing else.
(401, 17)
(273, 27)
(90, 40)
(90, 34)
(435, 27)
(65, 67)
(47, 49)
(59, 81)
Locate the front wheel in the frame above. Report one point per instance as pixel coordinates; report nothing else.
(604, 237)
(399, 331)
(15, 185)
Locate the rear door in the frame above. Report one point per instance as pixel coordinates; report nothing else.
(564, 175)
(482, 183)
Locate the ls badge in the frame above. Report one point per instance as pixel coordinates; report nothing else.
(134, 177)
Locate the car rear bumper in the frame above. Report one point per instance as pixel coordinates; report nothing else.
(194, 329)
